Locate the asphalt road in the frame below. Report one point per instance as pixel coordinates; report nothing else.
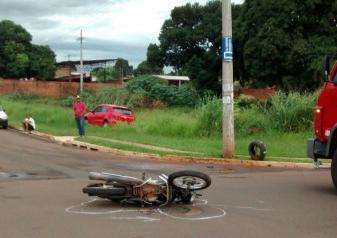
(40, 196)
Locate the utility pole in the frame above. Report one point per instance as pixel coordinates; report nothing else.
(227, 81)
(81, 60)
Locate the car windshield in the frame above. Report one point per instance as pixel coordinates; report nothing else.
(1, 109)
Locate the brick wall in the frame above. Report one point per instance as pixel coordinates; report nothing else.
(262, 94)
(63, 71)
(50, 89)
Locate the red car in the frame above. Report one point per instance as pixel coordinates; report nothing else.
(107, 114)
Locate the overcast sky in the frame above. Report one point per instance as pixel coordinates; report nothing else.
(112, 28)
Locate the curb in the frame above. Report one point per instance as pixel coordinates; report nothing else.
(176, 159)
(188, 159)
(37, 134)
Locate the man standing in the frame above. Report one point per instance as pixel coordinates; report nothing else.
(79, 109)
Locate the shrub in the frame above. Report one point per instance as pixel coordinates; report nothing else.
(156, 90)
(141, 92)
(291, 112)
(246, 101)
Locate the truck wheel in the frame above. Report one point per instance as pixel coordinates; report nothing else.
(334, 169)
(257, 150)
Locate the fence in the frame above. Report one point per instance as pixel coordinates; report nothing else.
(50, 88)
(262, 94)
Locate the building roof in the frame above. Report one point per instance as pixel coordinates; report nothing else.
(173, 78)
(85, 62)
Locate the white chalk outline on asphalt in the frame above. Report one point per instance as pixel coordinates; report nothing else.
(201, 202)
(223, 213)
(143, 218)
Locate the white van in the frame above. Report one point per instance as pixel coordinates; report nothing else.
(3, 118)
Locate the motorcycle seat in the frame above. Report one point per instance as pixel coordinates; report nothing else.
(121, 179)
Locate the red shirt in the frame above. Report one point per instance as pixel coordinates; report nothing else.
(79, 109)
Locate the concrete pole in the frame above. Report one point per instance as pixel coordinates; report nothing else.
(81, 59)
(227, 81)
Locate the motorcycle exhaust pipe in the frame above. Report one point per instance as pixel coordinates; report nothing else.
(97, 176)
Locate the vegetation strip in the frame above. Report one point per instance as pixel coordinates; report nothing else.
(196, 129)
(151, 147)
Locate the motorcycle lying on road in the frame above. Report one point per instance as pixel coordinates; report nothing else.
(180, 186)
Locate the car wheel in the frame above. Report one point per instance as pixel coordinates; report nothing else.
(5, 125)
(105, 123)
(334, 169)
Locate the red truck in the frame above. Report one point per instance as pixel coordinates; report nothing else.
(324, 145)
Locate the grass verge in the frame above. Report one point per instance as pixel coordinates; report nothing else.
(173, 128)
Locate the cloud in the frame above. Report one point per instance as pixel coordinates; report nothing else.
(95, 48)
(113, 28)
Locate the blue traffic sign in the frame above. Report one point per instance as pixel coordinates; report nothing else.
(227, 49)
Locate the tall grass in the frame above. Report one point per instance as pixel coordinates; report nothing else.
(209, 117)
(291, 112)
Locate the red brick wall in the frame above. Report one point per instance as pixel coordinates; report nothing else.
(261, 94)
(50, 89)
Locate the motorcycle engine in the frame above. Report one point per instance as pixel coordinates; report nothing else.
(148, 192)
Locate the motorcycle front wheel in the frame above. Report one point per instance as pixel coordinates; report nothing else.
(190, 180)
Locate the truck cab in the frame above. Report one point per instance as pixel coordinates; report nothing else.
(324, 145)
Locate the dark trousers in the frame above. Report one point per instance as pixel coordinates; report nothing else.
(80, 125)
(27, 127)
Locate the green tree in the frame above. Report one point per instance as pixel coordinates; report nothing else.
(143, 69)
(19, 58)
(106, 74)
(154, 62)
(155, 59)
(42, 62)
(191, 42)
(122, 67)
(283, 42)
(278, 43)
(181, 35)
(14, 45)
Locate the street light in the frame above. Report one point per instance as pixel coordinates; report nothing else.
(81, 61)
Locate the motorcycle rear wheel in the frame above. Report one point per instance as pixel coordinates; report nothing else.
(191, 180)
(99, 190)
